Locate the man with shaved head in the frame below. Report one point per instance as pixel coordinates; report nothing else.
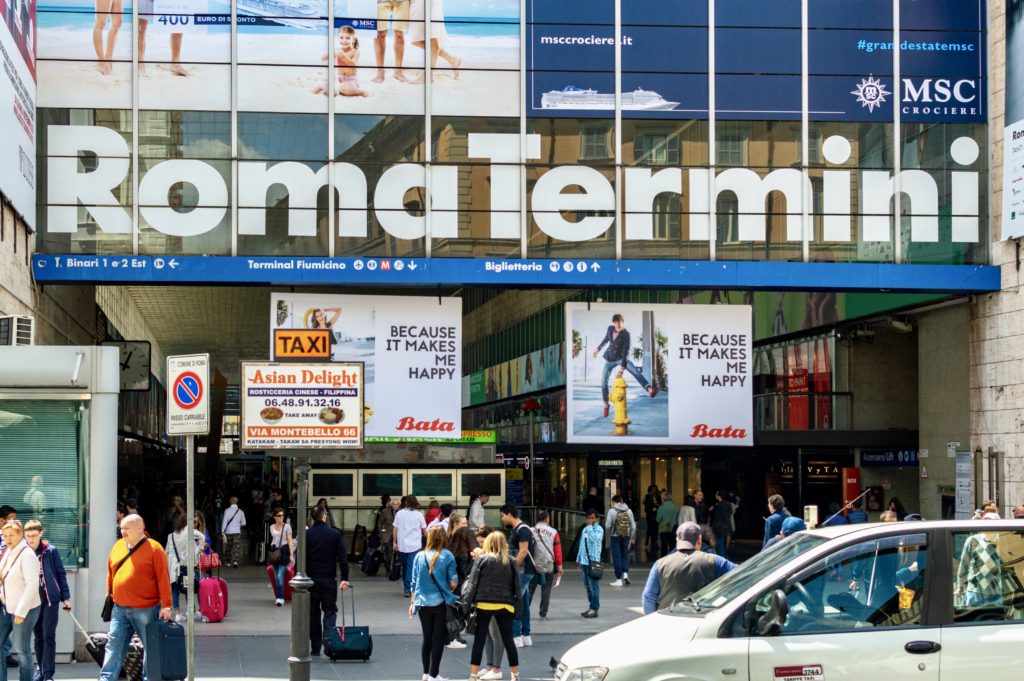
(138, 582)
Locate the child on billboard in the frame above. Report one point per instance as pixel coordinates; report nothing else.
(347, 56)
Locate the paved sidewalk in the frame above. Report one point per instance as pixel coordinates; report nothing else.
(253, 641)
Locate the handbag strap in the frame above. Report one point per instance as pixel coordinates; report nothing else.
(436, 583)
(130, 552)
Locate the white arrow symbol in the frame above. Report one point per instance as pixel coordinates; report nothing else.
(173, 263)
(594, 267)
(412, 266)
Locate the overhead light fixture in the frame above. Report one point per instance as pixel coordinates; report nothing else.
(901, 325)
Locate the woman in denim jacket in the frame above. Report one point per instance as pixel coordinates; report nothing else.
(591, 542)
(433, 578)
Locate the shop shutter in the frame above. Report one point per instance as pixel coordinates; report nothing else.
(39, 442)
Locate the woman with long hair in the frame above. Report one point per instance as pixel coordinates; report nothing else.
(461, 543)
(493, 589)
(897, 507)
(177, 549)
(281, 540)
(433, 578)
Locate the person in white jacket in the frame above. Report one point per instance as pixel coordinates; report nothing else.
(476, 511)
(177, 561)
(231, 531)
(19, 593)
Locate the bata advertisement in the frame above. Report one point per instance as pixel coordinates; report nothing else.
(380, 50)
(411, 348)
(1013, 133)
(302, 406)
(659, 374)
(18, 106)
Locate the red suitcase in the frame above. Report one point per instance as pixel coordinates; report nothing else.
(289, 572)
(213, 599)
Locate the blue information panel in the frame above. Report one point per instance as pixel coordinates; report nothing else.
(758, 59)
(691, 274)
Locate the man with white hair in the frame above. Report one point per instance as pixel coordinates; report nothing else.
(140, 586)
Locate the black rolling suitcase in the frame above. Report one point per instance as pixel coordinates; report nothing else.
(165, 643)
(358, 544)
(96, 645)
(372, 562)
(347, 642)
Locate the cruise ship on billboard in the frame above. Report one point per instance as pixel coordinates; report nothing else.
(296, 13)
(572, 97)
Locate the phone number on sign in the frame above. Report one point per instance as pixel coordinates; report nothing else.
(301, 402)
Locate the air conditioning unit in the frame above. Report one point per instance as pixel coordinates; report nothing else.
(17, 330)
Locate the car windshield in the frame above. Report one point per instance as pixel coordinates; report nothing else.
(734, 583)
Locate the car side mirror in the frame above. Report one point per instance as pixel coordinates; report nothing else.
(770, 623)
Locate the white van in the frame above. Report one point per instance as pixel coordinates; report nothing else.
(926, 601)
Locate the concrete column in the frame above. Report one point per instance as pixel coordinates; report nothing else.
(105, 385)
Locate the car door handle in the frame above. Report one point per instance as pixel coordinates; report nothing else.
(922, 647)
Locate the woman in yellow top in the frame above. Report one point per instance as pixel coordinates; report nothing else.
(493, 588)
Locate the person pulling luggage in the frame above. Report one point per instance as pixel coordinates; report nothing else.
(325, 553)
(281, 554)
(136, 596)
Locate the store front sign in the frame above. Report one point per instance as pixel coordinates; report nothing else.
(882, 458)
(302, 406)
(70, 185)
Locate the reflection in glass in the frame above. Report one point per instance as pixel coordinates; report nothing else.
(282, 137)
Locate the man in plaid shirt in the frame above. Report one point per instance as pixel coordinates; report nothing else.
(978, 579)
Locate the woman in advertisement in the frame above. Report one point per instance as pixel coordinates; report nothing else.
(438, 37)
(108, 9)
(318, 319)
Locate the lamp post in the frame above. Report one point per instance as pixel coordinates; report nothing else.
(298, 661)
(531, 406)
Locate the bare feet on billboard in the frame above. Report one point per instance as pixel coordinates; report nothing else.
(103, 67)
(652, 391)
(456, 63)
(379, 78)
(399, 76)
(179, 70)
(319, 90)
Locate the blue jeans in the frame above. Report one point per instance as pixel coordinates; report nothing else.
(721, 545)
(122, 622)
(21, 642)
(279, 572)
(407, 559)
(46, 639)
(593, 589)
(620, 555)
(521, 627)
(630, 367)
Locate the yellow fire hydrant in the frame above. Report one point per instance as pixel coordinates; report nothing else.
(618, 398)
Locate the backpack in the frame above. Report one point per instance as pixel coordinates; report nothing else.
(623, 525)
(543, 552)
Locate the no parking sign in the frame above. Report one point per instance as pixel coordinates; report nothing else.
(188, 403)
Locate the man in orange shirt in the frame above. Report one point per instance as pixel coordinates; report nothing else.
(137, 579)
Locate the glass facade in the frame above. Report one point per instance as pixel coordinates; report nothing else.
(738, 132)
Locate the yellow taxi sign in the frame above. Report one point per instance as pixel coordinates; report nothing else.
(302, 344)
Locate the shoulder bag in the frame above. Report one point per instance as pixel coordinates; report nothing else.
(275, 554)
(108, 604)
(454, 618)
(182, 579)
(596, 569)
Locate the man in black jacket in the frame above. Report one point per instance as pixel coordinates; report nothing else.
(325, 549)
(617, 355)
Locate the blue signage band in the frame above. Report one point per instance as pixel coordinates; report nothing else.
(560, 273)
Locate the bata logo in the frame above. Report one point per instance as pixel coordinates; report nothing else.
(580, 191)
(437, 425)
(702, 430)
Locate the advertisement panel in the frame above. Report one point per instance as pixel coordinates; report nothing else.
(18, 106)
(411, 349)
(685, 370)
(302, 406)
(1013, 132)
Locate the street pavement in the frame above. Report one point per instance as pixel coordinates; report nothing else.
(253, 641)
(648, 417)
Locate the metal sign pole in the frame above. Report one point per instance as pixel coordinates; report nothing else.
(190, 558)
(298, 662)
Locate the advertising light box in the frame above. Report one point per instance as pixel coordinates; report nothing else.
(411, 348)
(18, 106)
(659, 374)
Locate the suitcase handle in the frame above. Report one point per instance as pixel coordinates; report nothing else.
(78, 624)
(342, 609)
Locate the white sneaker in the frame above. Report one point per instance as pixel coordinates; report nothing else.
(617, 582)
(437, 678)
(426, 677)
(518, 640)
(625, 579)
(456, 644)
(527, 641)
(180, 617)
(491, 675)
(278, 601)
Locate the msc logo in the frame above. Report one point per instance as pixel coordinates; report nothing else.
(870, 93)
(939, 90)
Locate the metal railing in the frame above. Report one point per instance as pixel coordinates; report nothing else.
(803, 411)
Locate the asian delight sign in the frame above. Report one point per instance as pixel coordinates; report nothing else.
(659, 374)
(302, 406)
(411, 348)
